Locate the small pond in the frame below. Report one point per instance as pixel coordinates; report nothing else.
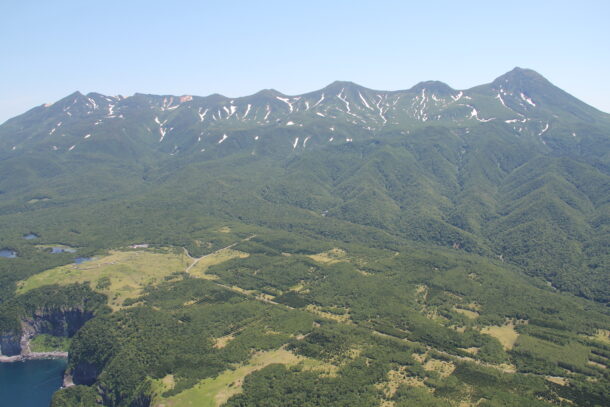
(8, 253)
(56, 250)
(31, 236)
(80, 260)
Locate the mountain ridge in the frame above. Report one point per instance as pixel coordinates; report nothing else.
(516, 74)
(522, 100)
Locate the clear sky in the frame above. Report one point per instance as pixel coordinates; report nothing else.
(49, 49)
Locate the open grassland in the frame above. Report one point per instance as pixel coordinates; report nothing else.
(506, 334)
(216, 391)
(330, 257)
(204, 263)
(120, 275)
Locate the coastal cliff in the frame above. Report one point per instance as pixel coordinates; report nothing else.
(57, 322)
(54, 310)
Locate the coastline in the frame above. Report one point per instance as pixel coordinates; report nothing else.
(33, 356)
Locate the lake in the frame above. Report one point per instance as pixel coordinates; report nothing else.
(31, 383)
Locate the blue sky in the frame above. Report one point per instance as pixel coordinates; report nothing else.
(52, 48)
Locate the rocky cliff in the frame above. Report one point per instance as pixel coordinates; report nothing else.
(56, 321)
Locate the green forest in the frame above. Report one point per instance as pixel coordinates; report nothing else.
(450, 263)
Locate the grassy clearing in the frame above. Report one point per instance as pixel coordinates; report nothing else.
(468, 313)
(221, 342)
(603, 335)
(49, 343)
(506, 334)
(167, 383)
(216, 391)
(572, 353)
(397, 378)
(205, 262)
(330, 257)
(597, 364)
(343, 318)
(443, 368)
(562, 381)
(120, 275)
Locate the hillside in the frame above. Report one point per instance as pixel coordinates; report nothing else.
(348, 245)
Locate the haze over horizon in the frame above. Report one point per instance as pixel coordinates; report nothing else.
(201, 49)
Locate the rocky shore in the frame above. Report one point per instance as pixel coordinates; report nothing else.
(33, 356)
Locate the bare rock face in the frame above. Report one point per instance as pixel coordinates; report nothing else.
(59, 322)
(84, 373)
(56, 322)
(10, 343)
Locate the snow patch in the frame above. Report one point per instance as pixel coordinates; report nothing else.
(72, 148)
(457, 97)
(499, 97)
(290, 123)
(305, 141)
(296, 141)
(247, 111)
(202, 115)
(475, 114)
(268, 113)
(320, 114)
(287, 101)
(224, 137)
(526, 99)
(544, 130)
(87, 136)
(344, 100)
(378, 105)
(319, 101)
(93, 104)
(364, 101)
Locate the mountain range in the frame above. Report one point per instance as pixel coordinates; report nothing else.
(476, 168)
(429, 245)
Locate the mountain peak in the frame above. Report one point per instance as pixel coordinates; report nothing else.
(434, 86)
(268, 92)
(338, 85)
(519, 77)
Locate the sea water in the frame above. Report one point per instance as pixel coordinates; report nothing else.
(30, 383)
